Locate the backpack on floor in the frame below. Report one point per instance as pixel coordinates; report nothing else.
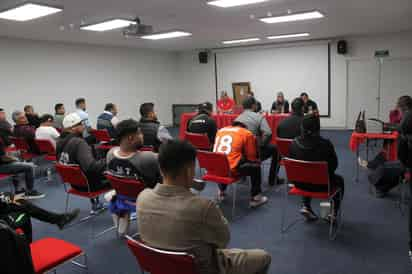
(386, 176)
(15, 252)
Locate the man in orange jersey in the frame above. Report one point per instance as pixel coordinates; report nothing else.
(239, 144)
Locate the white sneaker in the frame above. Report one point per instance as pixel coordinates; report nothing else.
(258, 200)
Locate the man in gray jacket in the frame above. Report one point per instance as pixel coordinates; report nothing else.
(170, 209)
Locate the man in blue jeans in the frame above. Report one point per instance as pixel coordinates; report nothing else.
(10, 165)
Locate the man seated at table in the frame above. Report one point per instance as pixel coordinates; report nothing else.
(72, 149)
(258, 104)
(281, 105)
(22, 129)
(259, 126)
(154, 133)
(203, 123)
(312, 147)
(310, 105)
(225, 104)
(290, 127)
(239, 144)
(170, 217)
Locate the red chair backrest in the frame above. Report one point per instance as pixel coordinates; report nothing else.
(20, 143)
(306, 172)
(101, 135)
(45, 146)
(156, 261)
(146, 148)
(72, 174)
(283, 146)
(125, 186)
(199, 141)
(215, 163)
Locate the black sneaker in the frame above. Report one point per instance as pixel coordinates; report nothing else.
(97, 207)
(67, 218)
(308, 213)
(33, 194)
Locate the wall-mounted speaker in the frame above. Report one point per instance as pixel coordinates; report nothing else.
(203, 56)
(342, 47)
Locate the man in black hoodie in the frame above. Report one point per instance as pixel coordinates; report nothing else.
(310, 146)
(290, 127)
(73, 149)
(202, 123)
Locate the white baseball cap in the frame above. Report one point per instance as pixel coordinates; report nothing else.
(71, 120)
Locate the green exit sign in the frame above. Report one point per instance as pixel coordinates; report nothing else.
(381, 53)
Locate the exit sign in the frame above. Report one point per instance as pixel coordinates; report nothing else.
(381, 53)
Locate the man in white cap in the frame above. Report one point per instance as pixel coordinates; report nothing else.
(73, 149)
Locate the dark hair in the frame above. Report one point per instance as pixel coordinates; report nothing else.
(405, 103)
(310, 125)
(1, 109)
(46, 118)
(297, 105)
(238, 124)
(174, 155)
(146, 108)
(304, 94)
(57, 107)
(80, 101)
(125, 128)
(26, 107)
(205, 107)
(109, 107)
(249, 102)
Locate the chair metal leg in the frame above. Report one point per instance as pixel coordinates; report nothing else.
(337, 223)
(67, 202)
(234, 201)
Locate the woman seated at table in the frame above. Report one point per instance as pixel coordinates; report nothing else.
(280, 105)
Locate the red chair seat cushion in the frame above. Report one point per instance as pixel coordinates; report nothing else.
(220, 180)
(48, 253)
(317, 195)
(105, 147)
(51, 158)
(4, 176)
(88, 194)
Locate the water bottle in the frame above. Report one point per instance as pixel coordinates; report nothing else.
(49, 174)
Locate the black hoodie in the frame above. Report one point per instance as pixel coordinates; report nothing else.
(314, 148)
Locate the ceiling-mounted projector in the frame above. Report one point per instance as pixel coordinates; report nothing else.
(137, 29)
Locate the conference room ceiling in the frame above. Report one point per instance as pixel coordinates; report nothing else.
(209, 25)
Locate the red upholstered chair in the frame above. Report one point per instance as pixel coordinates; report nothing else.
(157, 261)
(46, 147)
(74, 176)
(23, 147)
(147, 148)
(283, 146)
(199, 141)
(49, 253)
(218, 171)
(103, 137)
(315, 173)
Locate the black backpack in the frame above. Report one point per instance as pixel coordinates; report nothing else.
(15, 252)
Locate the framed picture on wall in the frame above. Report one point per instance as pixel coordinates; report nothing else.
(240, 91)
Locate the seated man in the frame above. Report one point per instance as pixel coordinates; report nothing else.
(290, 128)
(32, 117)
(202, 123)
(310, 106)
(11, 165)
(73, 149)
(59, 115)
(281, 105)
(259, 126)
(46, 131)
(108, 120)
(127, 161)
(225, 104)
(239, 145)
(87, 125)
(312, 147)
(22, 129)
(168, 210)
(16, 212)
(154, 133)
(6, 129)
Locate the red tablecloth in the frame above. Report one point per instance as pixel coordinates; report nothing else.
(223, 120)
(391, 149)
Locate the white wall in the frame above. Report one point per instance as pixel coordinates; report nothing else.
(43, 73)
(197, 81)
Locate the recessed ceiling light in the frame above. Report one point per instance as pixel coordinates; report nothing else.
(284, 36)
(293, 17)
(166, 35)
(247, 40)
(233, 3)
(108, 25)
(28, 11)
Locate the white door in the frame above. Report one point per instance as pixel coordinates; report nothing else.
(363, 94)
(396, 81)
